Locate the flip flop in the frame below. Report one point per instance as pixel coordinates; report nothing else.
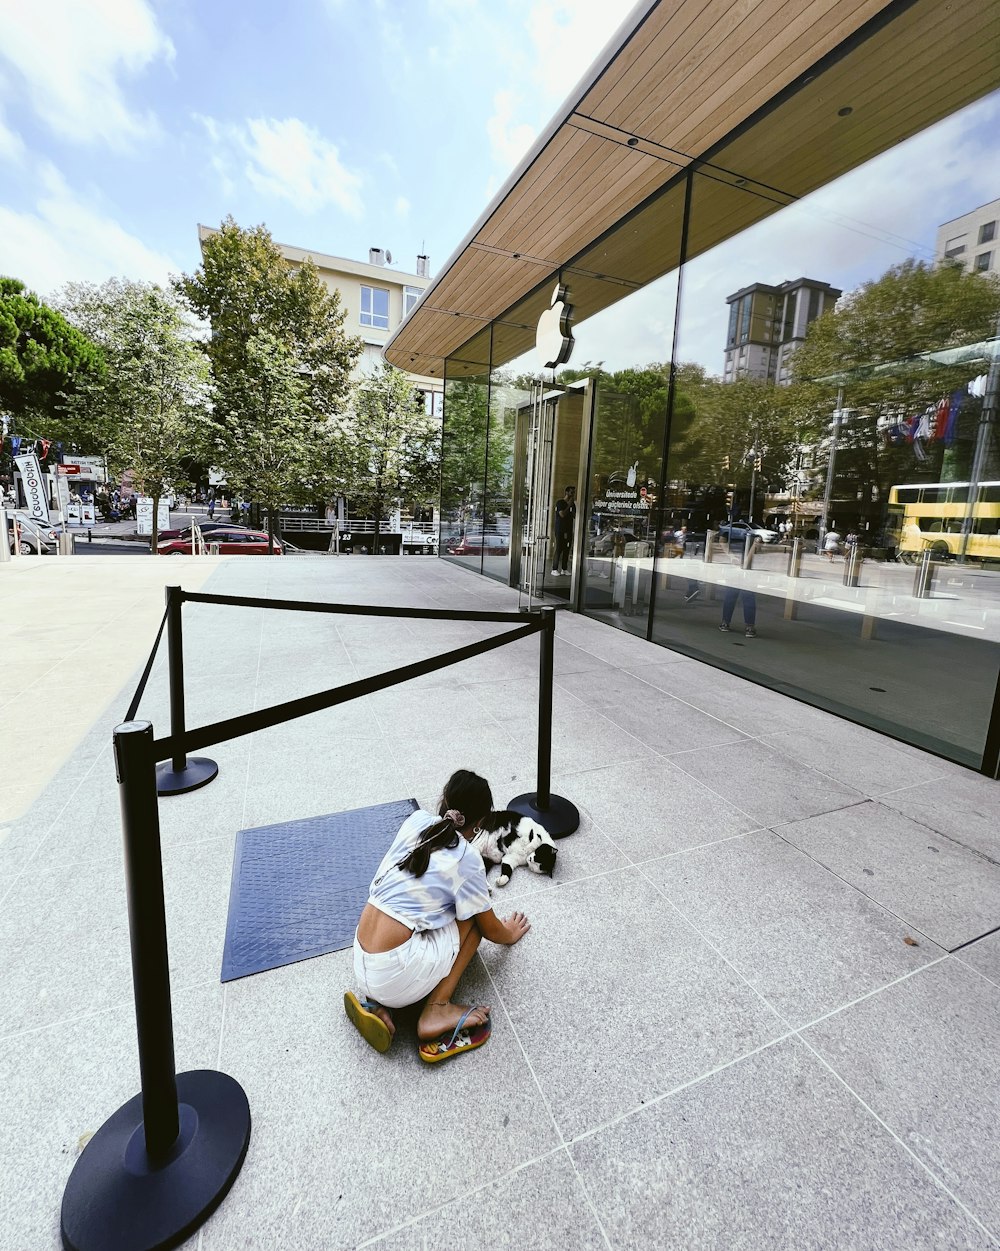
(371, 1027)
(460, 1041)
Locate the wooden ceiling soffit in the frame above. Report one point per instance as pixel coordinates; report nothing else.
(693, 72)
(903, 89)
(755, 59)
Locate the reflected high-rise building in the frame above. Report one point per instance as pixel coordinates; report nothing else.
(766, 325)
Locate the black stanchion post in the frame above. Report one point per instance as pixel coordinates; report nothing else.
(180, 774)
(159, 1166)
(554, 813)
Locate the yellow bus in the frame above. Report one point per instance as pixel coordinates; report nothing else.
(929, 516)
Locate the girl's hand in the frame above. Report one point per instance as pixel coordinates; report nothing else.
(517, 926)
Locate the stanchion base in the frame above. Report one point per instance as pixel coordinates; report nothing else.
(114, 1198)
(199, 771)
(559, 818)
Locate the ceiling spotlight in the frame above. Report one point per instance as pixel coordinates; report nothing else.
(740, 182)
(633, 142)
(846, 111)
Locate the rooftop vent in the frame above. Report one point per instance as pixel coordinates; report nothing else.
(423, 266)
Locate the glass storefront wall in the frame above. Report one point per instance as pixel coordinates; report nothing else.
(790, 434)
(843, 461)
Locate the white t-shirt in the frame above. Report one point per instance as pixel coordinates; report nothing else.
(452, 888)
(832, 541)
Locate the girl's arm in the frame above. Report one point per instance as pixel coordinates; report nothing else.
(507, 931)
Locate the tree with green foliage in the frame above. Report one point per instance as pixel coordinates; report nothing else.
(474, 466)
(245, 287)
(885, 351)
(271, 442)
(43, 359)
(270, 320)
(150, 409)
(390, 445)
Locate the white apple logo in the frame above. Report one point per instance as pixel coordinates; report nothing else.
(630, 476)
(554, 338)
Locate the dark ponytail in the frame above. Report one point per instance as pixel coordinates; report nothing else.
(466, 795)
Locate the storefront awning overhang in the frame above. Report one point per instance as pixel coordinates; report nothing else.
(774, 96)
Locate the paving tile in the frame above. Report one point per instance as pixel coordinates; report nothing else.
(517, 700)
(984, 956)
(922, 1055)
(856, 756)
(961, 805)
(543, 1206)
(948, 893)
(289, 1044)
(653, 810)
(771, 1152)
(808, 942)
(64, 947)
(349, 775)
(594, 741)
(417, 714)
(766, 784)
(60, 1084)
(616, 1000)
(666, 723)
(748, 707)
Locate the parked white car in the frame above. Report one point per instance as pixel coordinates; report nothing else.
(34, 538)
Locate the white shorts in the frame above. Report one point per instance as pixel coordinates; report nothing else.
(409, 972)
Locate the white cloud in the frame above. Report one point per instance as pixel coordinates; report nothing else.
(70, 56)
(509, 139)
(66, 239)
(11, 146)
(564, 38)
(287, 159)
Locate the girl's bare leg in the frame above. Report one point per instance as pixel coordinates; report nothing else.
(439, 1014)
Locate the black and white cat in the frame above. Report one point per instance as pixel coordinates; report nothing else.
(510, 840)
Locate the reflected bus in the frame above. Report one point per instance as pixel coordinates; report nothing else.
(931, 516)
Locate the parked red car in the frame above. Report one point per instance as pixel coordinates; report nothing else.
(232, 542)
(206, 527)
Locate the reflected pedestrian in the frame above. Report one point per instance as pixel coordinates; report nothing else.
(729, 599)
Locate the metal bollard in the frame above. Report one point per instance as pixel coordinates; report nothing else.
(749, 551)
(794, 569)
(852, 566)
(706, 556)
(923, 579)
(66, 544)
(4, 537)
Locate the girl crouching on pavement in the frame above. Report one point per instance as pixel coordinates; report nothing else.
(428, 907)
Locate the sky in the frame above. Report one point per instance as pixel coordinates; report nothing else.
(350, 124)
(341, 124)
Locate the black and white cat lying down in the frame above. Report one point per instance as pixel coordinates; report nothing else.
(510, 840)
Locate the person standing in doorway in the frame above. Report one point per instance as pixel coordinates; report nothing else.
(565, 520)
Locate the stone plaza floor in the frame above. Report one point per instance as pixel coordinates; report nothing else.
(736, 1023)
